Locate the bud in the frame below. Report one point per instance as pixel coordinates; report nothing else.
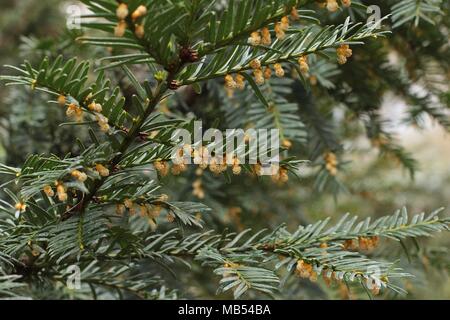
(122, 11)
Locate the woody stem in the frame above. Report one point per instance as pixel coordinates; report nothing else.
(131, 136)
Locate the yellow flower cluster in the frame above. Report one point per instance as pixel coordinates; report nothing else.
(281, 28)
(303, 64)
(331, 163)
(255, 38)
(120, 28)
(362, 243)
(102, 170)
(279, 71)
(139, 28)
(343, 52)
(258, 169)
(260, 37)
(281, 176)
(162, 167)
(103, 122)
(333, 5)
(368, 243)
(233, 83)
(178, 168)
(150, 211)
(216, 166)
(61, 191)
(80, 176)
(75, 111)
(20, 206)
(201, 157)
(267, 73)
(294, 14)
(346, 3)
(145, 210)
(255, 64)
(170, 217)
(278, 174)
(286, 143)
(122, 13)
(306, 270)
(236, 166)
(62, 100)
(95, 107)
(49, 191)
(139, 12)
(261, 75)
(139, 31)
(264, 37)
